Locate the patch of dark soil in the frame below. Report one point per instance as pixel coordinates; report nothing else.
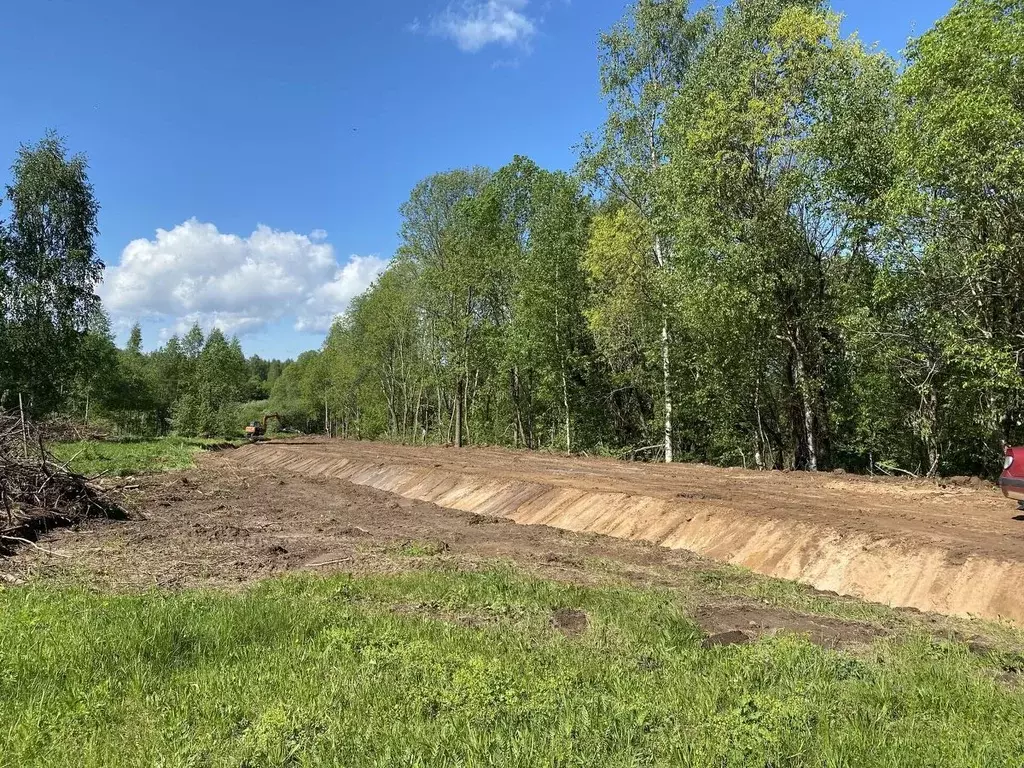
(697, 496)
(570, 621)
(965, 481)
(1010, 680)
(572, 562)
(223, 525)
(758, 620)
(434, 611)
(732, 637)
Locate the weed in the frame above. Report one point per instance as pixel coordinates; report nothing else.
(426, 548)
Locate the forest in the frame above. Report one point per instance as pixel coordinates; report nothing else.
(783, 249)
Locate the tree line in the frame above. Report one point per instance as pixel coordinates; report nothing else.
(57, 352)
(783, 249)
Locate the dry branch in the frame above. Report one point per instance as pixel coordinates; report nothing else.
(36, 491)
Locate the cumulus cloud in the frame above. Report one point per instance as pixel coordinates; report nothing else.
(474, 24)
(195, 273)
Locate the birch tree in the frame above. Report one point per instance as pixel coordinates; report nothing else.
(645, 60)
(50, 268)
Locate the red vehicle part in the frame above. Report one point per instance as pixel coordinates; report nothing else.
(1012, 480)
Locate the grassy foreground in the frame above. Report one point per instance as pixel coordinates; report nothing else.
(129, 457)
(459, 669)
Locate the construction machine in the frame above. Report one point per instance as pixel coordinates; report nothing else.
(257, 429)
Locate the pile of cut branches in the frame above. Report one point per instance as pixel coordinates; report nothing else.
(65, 429)
(38, 492)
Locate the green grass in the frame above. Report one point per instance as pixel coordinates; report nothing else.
(459, 669)
(129, 457)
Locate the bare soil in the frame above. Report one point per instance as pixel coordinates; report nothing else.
(966, 517)
(955, 547)
(225, 524)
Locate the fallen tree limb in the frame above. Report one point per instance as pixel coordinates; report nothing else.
(33, 545)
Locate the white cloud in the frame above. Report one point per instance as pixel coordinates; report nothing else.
(330, 298)
(474, 24)
(195, 273)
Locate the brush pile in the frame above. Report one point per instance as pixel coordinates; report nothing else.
(36, 491)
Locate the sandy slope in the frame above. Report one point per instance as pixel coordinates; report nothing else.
(956, 550)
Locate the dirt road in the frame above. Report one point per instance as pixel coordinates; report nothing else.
(952, 549)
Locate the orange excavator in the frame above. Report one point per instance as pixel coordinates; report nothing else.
(256, 429)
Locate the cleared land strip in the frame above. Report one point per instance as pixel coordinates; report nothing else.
(955, 550)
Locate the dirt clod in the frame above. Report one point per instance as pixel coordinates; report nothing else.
(475, 519)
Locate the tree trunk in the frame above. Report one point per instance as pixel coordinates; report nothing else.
(565, 385)
(806, 403)
(931, 409)
(469, 403)
(460, 404)
(389, 397)
(808, 409)
(667, 375)
(463, 383)
(759, 441)
(666, 369)
(441, 409)
(516, 389)
(451, 421)
(416, 414)
(565, 402)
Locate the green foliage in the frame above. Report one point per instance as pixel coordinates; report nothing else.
(429, 548)
(297, 395)
(476, 330)
(465, 669)
(48, 270)
(772, 221)
(953, 288)
(217, 382)
(624, 315)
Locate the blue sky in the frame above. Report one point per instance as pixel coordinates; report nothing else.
(273, 142)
